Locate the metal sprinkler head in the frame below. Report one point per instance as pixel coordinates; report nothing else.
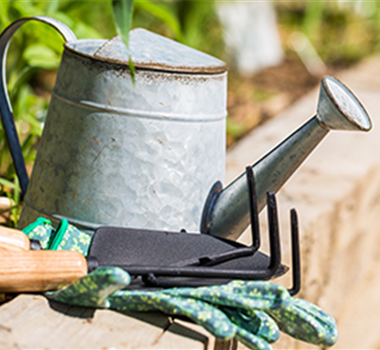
(338, 108)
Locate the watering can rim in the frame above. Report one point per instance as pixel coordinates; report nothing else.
(168, 55)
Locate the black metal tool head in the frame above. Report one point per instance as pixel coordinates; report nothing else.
(167, 259)
(177, 256)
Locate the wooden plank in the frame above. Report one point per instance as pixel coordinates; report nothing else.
(32, 322)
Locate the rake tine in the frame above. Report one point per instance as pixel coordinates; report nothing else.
(296, 261)
(255, 228)
(274, 238)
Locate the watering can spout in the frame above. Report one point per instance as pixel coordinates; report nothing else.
(226, 212)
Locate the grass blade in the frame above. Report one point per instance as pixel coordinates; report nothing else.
(122, 13)
(168, 18)
(7, 183)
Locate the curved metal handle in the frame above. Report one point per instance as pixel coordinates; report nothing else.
(5, 105)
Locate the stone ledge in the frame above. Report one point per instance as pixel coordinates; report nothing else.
(337, 195)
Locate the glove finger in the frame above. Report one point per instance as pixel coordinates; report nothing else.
(68, 237)
(204, 314)
(251, 341)
(41, 230)
(238, 294)
(323, 318)
(93, 289)
(258, 323)
(302, 325)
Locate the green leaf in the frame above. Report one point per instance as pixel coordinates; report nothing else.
(25, 8)
(84, 31)
(313, 18)
(163, 15)
(234, 129)
(20, 80)
(132, 69)
(41, 56)
(16, 199)
(122, 12)
(36, 125)
(51, 8)
(7, 183)
(4, 18)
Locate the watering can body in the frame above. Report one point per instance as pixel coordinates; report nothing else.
(141, 154)
(151, 154)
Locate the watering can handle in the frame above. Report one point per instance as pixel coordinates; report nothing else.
(5, 105)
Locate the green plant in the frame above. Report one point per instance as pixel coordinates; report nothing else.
(342, 32)
(34, 55)
(12, 191)
(34, 48)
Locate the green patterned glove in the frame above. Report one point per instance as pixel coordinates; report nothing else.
(64, 237)
(248, 311)
(41, 230)
(255, 331)
(305, 321)
(101, 289)
(296, 317)
(243, 295)
(93, 289)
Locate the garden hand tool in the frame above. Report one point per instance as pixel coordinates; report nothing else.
(26, 268)
(39, 270)
(48, 269)
(146, 154)
(42, 270)
(15, 240)
(166, 259)
(154, 254)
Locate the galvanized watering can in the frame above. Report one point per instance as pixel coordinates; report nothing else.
(150, 154)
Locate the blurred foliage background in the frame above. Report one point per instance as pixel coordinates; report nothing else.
(341, 32)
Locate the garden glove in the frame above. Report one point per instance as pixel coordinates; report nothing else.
(64, 237)
(97, 289)
(296, 317)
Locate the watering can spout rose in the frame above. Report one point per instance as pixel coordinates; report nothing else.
(150, 153)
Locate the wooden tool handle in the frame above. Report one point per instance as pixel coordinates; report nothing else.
(40, 270)
(14, 240)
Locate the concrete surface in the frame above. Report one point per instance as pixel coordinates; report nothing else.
(337, 195)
